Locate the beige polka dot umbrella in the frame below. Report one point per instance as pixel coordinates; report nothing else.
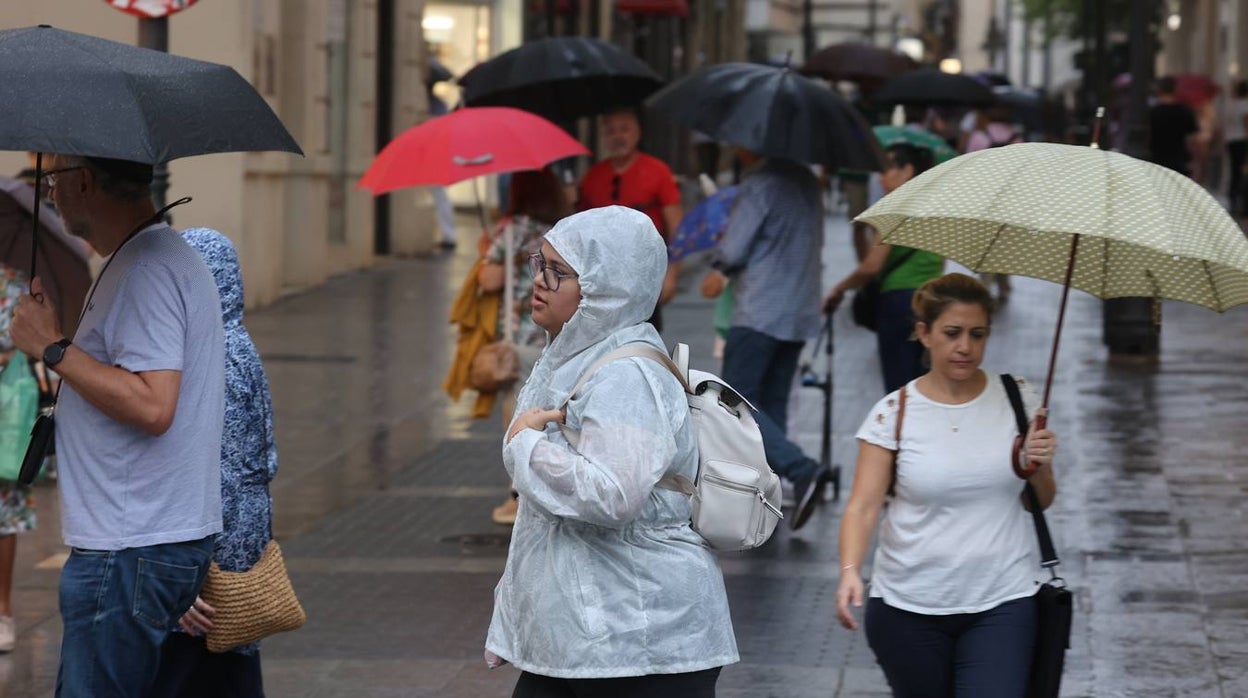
(1105, 223)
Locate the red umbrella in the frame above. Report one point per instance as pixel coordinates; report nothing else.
(468, 143)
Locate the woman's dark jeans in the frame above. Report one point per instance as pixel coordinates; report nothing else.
(967, 655)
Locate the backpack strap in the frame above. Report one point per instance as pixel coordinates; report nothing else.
(1048, 554)
(675, 483)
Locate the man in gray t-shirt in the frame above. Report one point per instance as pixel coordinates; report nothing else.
(138, 428)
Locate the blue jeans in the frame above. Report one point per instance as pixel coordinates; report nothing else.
(117, 607)
(761, 368)
(968, 655)
(900, 356)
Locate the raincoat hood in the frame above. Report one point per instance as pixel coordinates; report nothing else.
(222, 260)
(620, 259)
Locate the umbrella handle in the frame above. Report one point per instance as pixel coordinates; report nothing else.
(1026, 469)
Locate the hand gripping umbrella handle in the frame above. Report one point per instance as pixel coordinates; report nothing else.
(1023, 468)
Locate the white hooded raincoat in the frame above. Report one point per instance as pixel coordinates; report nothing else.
(604, 576)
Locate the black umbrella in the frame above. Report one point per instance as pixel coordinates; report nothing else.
(561, 79)
(933, 88)
(858, 62)
(75, 94)
(773, 112)
(81, 95)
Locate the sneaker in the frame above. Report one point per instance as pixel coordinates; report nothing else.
(505, 514)
(809, 493)
(8, 634)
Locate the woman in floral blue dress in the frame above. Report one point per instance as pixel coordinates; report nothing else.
(248, 464)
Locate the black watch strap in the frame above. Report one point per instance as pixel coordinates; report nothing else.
(55, 351)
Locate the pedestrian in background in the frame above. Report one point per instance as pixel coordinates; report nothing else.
(138, 434)
(900, 271)
(1236, 129)
(629, 177)
(442, 206)
(994, 130)
(772, 251)
(1172, 129)
(535, 203)
(17, 505)
(248, 465)
(951, 609)
(608, 591)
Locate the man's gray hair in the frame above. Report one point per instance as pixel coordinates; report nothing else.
(114, 185)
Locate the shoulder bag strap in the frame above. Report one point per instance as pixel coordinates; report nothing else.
(1048, 554)
(895, 265)
(901, 417)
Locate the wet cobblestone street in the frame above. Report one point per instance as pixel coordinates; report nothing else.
(385, 489)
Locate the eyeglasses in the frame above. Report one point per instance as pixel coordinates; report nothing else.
(615, 188)
(50, 177)
(550, 276)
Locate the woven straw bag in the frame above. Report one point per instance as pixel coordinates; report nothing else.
(253, 604)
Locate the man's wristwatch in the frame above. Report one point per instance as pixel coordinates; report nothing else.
(55, 352)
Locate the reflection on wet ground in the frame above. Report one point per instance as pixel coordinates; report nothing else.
(385, 489)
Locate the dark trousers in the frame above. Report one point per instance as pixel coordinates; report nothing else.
(189, 670)
(761, 368)
(900, 356)
(697, 684)
(1236, 192)
(968, 655)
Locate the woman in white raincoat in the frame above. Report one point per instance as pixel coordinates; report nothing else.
(607, 590)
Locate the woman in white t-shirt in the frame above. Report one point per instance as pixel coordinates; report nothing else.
(951, 609)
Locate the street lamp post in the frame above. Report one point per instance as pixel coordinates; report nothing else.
(154, 34)
(1131, 327)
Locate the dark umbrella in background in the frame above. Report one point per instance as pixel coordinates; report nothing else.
(774, 112)
(76, 94)
(933, 88)
(858, 62)
(63, 258)
(438, 73)
(562, 79)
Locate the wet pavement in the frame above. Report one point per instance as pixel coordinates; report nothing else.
(385, 487)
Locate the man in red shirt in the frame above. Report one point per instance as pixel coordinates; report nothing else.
(629, 177)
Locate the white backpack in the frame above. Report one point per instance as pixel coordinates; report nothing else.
(736, 498)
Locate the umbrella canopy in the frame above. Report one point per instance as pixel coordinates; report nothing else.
(1145, 230)
(858, 62)
(468, 143)
(921, 137)
(933, 88)
(702, 226)
(81, 95)
(561, 78)
(1103, 222)
(774, 112)
(62, 258)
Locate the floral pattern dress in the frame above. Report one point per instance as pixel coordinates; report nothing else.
(248, 446)
(526, 236)
(17, 506)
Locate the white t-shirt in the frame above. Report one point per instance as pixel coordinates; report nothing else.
(955, 538)
(155, 308)
(1236, 110)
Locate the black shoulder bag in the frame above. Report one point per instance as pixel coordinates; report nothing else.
(1054, 602)
(866, 304)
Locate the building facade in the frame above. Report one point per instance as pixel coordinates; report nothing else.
(329, 68)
